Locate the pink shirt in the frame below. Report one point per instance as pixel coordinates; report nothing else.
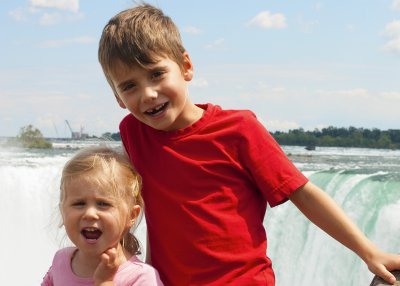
(132, 272)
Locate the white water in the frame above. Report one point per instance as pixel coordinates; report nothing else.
(366, 183)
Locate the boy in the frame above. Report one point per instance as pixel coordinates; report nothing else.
(208, 173)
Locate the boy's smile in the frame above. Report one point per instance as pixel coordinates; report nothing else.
(157, 110)
(158, 94)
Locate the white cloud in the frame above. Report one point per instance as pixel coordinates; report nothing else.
(318, 6)
(280, 125)
(200, 82)
(216, 44)
(392, 30)
(396, 4)
(50, 19)
(355, 92)
(391, 95)
(393, 45)
(54, 18)
(17, 14)
(66, 5)
(279, 89)
(307, 26)
(268, 20)
(84, 40)
(350, 28)
(192, 30)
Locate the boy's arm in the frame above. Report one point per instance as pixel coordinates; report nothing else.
(148, 256)
(323, 211)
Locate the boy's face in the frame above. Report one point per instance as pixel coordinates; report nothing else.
(157, 95)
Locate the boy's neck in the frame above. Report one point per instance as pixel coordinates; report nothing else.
(190, 116)
(197, 113)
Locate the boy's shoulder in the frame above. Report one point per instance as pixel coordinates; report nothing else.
(240, 116)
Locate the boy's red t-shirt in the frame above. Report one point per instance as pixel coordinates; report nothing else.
(206, 189)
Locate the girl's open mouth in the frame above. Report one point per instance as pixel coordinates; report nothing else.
(91, 234)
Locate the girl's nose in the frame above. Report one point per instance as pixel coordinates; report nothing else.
(90, 213)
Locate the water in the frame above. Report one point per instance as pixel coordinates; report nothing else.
(365, 182)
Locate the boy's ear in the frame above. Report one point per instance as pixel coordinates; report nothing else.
(120, 103)
(187, 67)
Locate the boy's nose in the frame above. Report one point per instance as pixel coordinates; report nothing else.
(149, 93)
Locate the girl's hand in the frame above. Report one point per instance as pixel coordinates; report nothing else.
(107, 268)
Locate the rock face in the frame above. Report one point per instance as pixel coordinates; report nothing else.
(377, 281)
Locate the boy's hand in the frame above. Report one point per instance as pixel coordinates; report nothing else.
(381, 263)
(107, 268)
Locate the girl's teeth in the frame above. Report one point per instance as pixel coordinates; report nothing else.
(91, 233)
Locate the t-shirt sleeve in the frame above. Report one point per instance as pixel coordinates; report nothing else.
(272, 171)
(137, 273)
(149, 276)
(47, 280)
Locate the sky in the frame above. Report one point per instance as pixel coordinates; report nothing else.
(295, 64)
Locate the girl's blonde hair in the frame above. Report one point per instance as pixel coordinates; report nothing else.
(111, 170)
(139, 36)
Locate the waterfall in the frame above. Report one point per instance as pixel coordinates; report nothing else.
(304, 255)
(365, 183)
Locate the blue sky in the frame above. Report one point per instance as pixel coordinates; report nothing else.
(308, 64)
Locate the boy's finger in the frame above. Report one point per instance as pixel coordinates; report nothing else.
(386, 275)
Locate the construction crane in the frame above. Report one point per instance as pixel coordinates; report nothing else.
(74, 135)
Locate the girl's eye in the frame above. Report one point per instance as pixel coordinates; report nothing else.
(104, 204)
(78, 203)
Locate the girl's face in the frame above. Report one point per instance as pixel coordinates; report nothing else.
(94, 220)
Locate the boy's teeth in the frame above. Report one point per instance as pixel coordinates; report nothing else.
(156, 109)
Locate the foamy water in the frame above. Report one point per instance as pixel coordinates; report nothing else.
(365, 182)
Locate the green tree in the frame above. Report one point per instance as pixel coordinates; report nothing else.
(30, 137)
(384, 141)
(111, 136)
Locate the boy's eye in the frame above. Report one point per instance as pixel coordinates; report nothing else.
(128, 86)
(157, 74)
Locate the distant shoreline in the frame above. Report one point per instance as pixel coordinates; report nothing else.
(326, 137)
(340, 137)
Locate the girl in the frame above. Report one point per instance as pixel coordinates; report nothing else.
(99, 203)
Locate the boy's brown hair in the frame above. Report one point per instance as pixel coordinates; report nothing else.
(139, 36)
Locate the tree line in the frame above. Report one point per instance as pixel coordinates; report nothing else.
(329, 137)
(340, 137)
